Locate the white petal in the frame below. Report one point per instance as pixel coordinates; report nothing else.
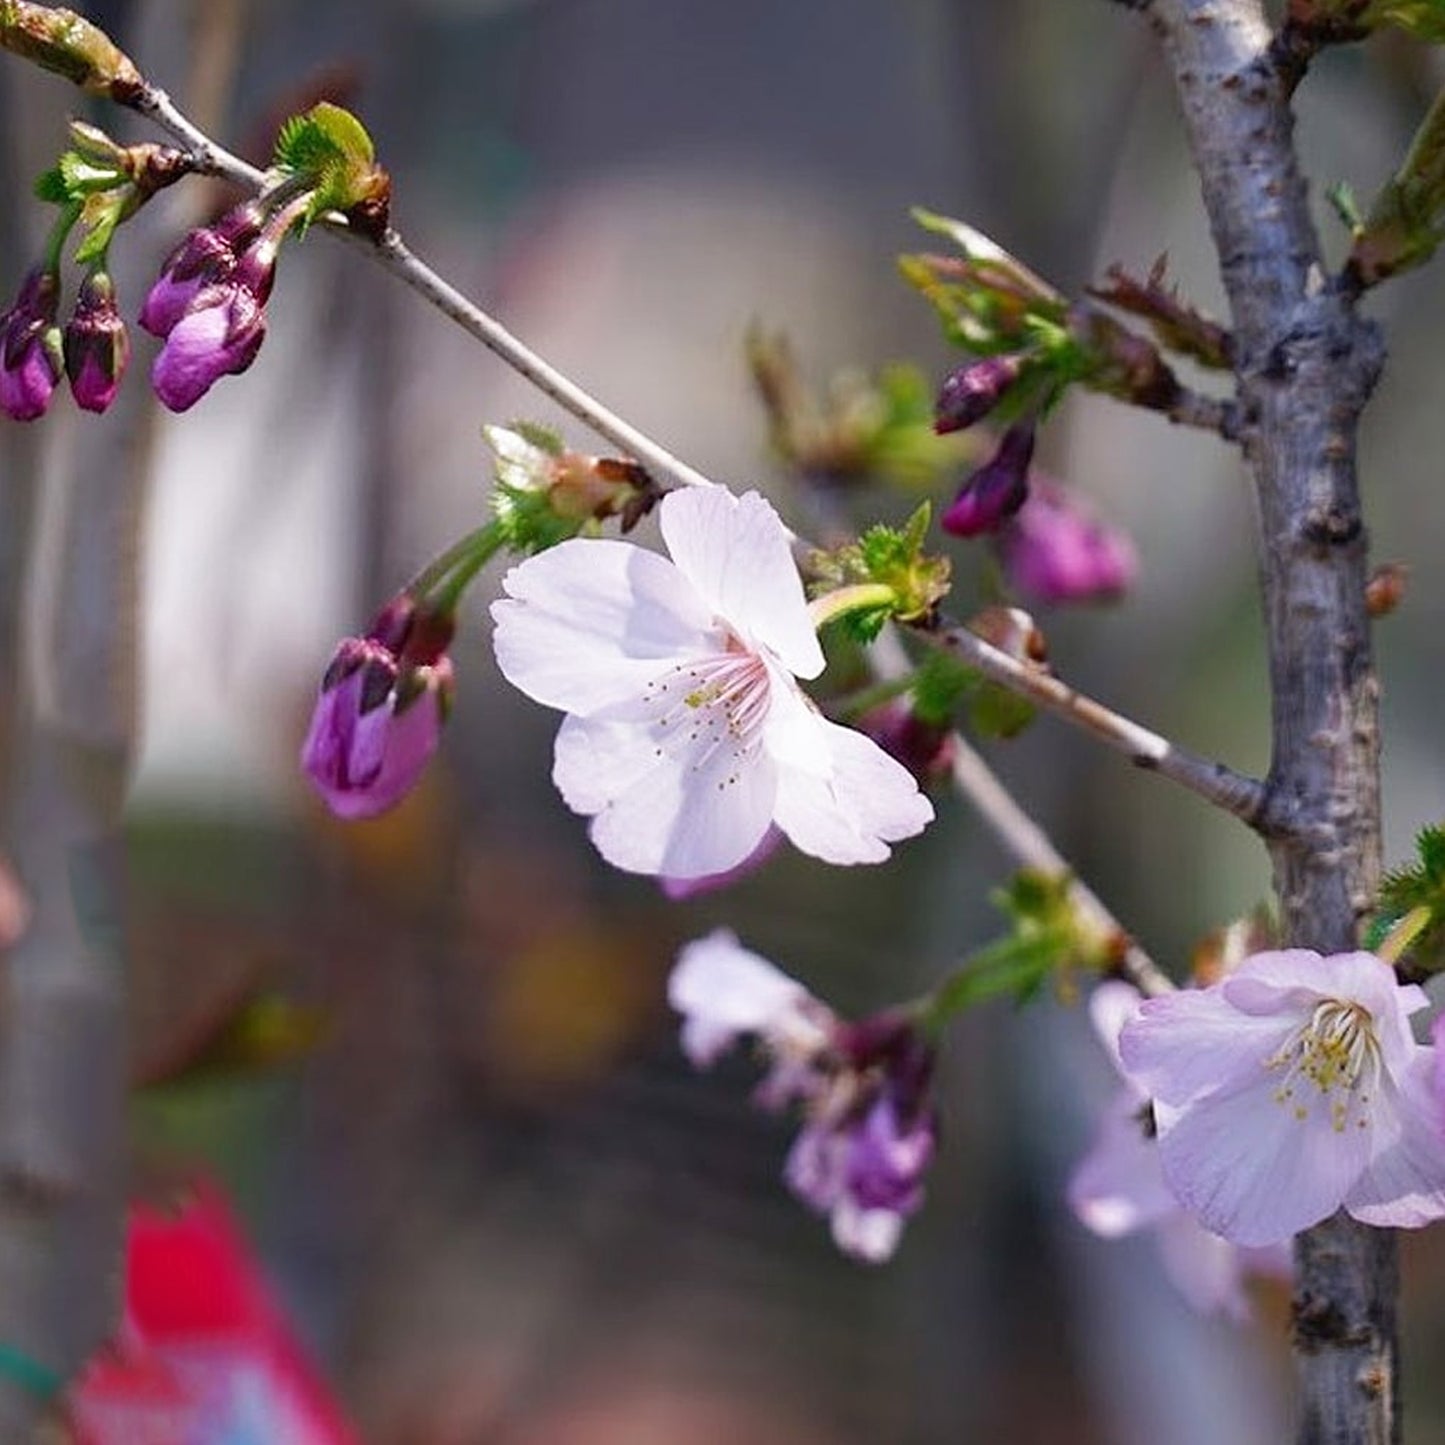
(724, 990)
(681, 812)
(591, 623)
(1194, 1041)
(737, 554)
(1207, 1270)
(1118, 1186)
(1251, 1169)
(1404, 1185)
(871, 1235)
(852, 802)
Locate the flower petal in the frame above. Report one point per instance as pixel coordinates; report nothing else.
(738, 555)
(723, 989)
(1111, 1005)
(1250, 1168)
(1207, 1270)
(590, 623)
(1194, 1041)
(851, 800)
(1119, 1185)
(871, 1235)
(685, 811)
(1404, 1185)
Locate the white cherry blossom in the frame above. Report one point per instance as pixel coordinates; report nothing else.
(687, 736)
(1289, 1090)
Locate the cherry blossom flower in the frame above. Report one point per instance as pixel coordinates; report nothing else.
(687, 735)
(869, 1134)
(1118, 1188)
(379, 715)
(1291, 1089)
(205, 1356)
(972, 390)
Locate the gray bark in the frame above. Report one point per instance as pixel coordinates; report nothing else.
(1306, 364)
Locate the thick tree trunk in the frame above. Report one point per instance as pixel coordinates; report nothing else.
(1306, 364)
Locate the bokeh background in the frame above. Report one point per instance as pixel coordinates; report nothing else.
(502, 1209)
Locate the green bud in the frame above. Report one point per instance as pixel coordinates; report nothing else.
(67, 43)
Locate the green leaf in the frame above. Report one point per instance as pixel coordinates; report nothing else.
(939, 687)
(544, 438)
(85, 177)
(1418, 890)
(995, 712)
(345, 133)
(329, 151)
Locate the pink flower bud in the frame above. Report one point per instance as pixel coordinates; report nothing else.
(969, 393)
(925, 749)
(996, 490)
(219, 336)
(96, 345)
(206, 256)
(31, 360)
(379, 716)
(1055, 550)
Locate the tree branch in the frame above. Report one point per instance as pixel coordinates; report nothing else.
(1306, 365)
(1246, 798)
(1020, 834)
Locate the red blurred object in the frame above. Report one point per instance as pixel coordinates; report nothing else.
(205, 1356)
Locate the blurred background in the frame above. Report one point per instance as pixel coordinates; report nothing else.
(500, 1206)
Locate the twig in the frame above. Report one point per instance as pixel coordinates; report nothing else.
(1020, 833)
(1208, 413)
(1235, 793)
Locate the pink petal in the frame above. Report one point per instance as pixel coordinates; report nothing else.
(1119, 1186)
(1404, 1184)
(1207, 1270)
(1111, 1005)
(1194, 1041)
(1250, 1169)
(590, 623)
(738, 555)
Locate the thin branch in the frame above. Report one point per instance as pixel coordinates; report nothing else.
(1020, 833)
(1208, 413)
(1245, 797)
(1242, 796)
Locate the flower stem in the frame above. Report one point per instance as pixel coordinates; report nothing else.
(441, 582)
(60, 233)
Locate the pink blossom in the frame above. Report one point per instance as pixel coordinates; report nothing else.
(379, 715)
(1291, 1089)
(868, 1135)
(1118, 1188)
(95, 344)
(687, 736)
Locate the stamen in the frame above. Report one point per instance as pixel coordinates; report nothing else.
(713, 703)
(1333, 1060)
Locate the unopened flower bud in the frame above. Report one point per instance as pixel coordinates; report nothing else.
(219, 336)
(378, 718)
(1055, 550)
(926, 749)
(972, 391)
(996, 490)
(31, 357)
(96, 345)
(207, 255)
